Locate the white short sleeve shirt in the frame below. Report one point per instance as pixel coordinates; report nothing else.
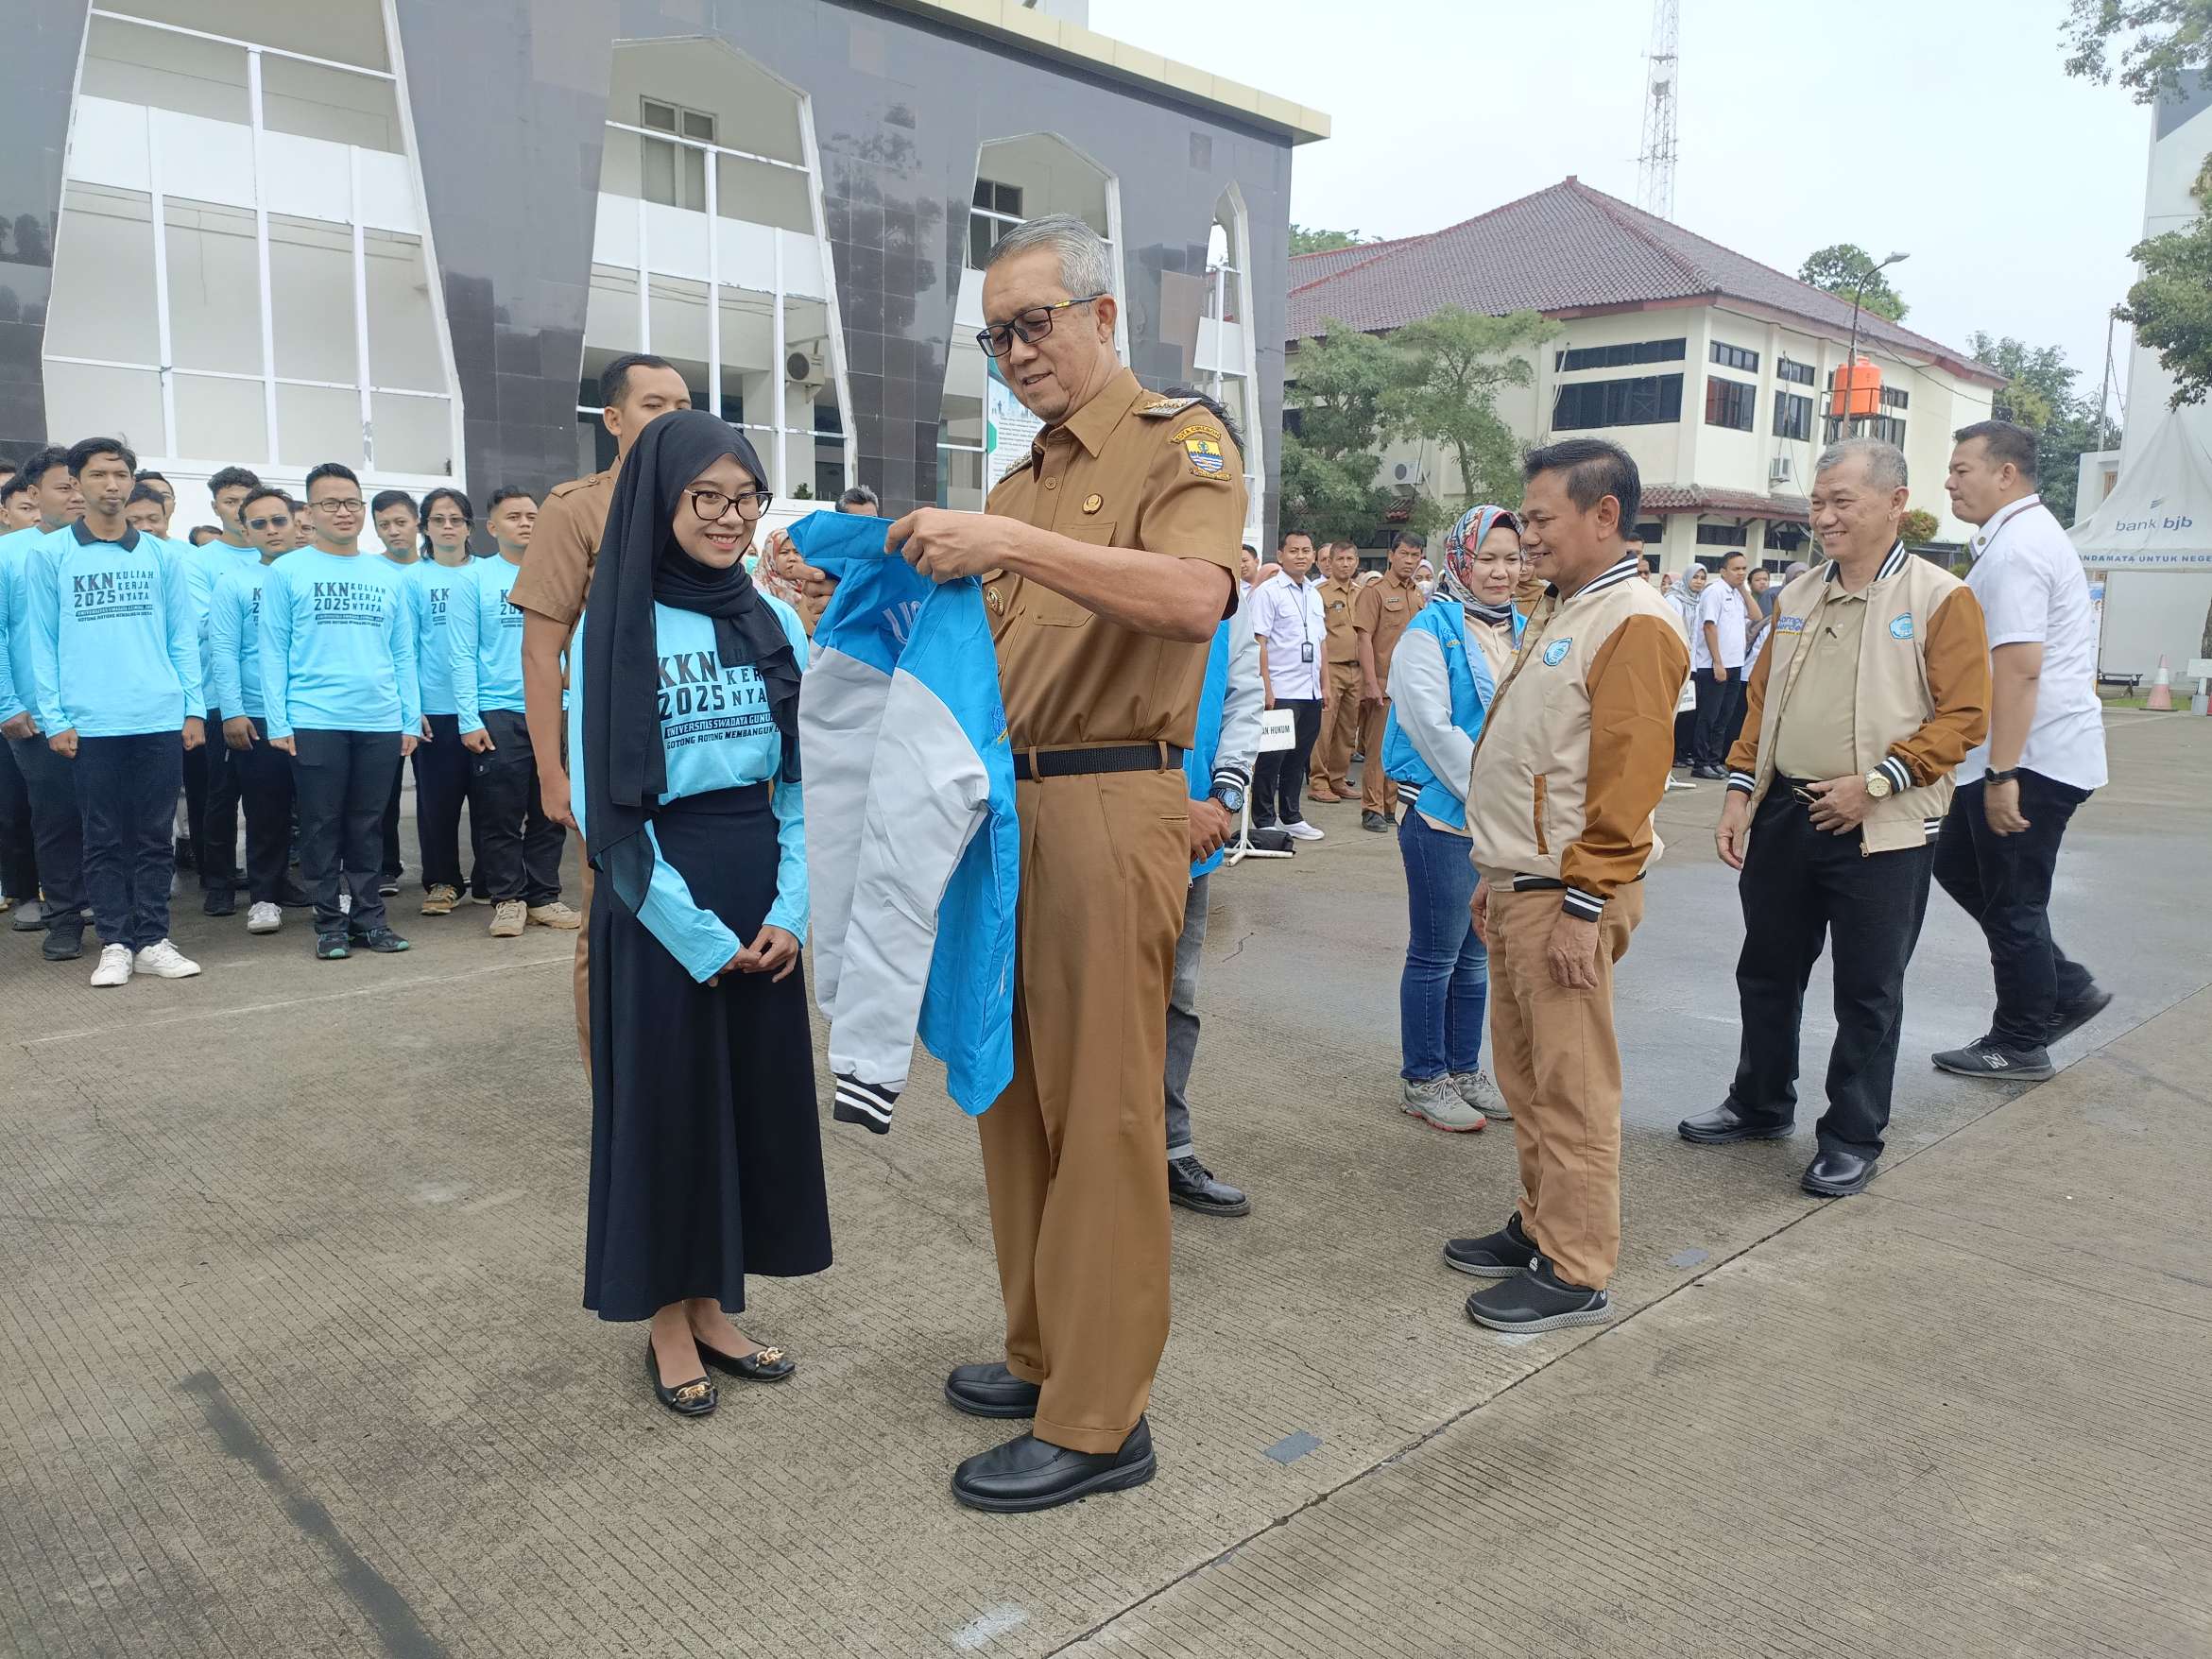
(2033, 589)
(1289, 616)
(1721, 605)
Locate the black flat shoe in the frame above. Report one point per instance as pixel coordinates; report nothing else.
(63, 943)
(1723, 1125)
(688, 1399)
(1838, 1174)
(761, 1365)
(990, 1391)
(1028, 1474)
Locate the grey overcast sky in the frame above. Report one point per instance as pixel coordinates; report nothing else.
(1947, 129)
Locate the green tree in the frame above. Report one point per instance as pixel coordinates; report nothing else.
(2171, 306)
(2165, 39)
(1917, 529)
(1344, 381)
(1457, 363)
(1307, 240)
(2039, 394)
(1839, 269)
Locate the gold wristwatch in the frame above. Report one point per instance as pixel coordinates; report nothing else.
(1878, 785)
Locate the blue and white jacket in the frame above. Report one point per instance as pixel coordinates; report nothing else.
(1436, 667)
(914, 851)
(1229, 704)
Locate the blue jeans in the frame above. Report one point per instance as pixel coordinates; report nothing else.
(1447, 980)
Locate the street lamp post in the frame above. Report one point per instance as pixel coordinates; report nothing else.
(1851, 356)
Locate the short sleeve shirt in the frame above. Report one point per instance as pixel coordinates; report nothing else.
(1336, 605)
(1381, 613)
(557, 570)
(1129, 469)
(1291, 618)
(2032, 589)
(1721, 605)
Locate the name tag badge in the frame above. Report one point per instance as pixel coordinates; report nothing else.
(1790, 624)
(1306, 652)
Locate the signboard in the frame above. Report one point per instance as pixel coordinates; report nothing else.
(1009, 431)
(1278, 731)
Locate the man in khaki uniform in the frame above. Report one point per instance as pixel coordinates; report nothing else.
(1107, 562)
(550, 589)
(1340, 728)
(1568, 769)
(1379, 616)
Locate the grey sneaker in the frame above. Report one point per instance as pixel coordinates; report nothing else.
(1434, 1100)
(1476, 1088)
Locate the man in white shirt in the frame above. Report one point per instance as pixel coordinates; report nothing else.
(1716, 664)
(2044, 757)
(1292, 626)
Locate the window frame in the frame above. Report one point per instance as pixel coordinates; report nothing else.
(1617, 407)
(1793, 418)
(1739, 357)
(1726, 399)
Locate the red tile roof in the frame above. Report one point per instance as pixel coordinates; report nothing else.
(1663, 499)
(1567, 248)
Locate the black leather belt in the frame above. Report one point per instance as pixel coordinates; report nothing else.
(1031, 764)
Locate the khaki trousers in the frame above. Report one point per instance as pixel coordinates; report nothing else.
(1378, 794)
(1559, 1069)
(1070, 1152)
(1332, 756)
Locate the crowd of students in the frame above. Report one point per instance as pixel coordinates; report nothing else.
(269, 667)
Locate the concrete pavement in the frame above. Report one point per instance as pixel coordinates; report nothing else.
(292, 1361)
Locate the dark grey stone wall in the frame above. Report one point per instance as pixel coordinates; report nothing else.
(38, 66)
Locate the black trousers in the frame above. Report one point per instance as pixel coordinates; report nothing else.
(389, 864)
(444, 779)
(59, 827)
(2003, 882)
(126, 791)
(520, 848)
(264, 777)
(211, 809)
(1278, 780)
(1717, 703)
(1801, 885)
(19, 842)
(341, 780)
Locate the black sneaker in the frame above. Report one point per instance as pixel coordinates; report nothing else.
(1538, 1300)
(381, 940)
(387, 883)
(1191, 1185)
(219, 902)
(1986, 1057)
(1374, 821)
(294, 896)
(330, 948)
(1495, 1256)
(63, 943)
(2066, 1021)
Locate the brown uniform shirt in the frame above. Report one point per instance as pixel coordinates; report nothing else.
(1381, 613)
(556, 569)
(1817, 735)
(1129, 469)
(1337, 599)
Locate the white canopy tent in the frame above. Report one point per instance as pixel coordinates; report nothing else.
(2152, 536)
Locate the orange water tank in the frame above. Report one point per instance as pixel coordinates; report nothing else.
(1858, 384)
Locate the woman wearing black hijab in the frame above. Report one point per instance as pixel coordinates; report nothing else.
(706, 1150)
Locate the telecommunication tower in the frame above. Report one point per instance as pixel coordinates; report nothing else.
(1656, 164)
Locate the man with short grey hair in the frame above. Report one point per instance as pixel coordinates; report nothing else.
(1873, 685)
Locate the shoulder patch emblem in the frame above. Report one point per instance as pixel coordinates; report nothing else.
(1202, 444)
(1901, 626)
(1555, 652)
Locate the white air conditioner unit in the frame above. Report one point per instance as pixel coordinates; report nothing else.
(1781, 469)
(1408, 475)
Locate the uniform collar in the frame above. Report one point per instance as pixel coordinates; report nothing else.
(1890, 566)
(1093, 424)
(1619, 571)
(127, 542)
(2011, 510)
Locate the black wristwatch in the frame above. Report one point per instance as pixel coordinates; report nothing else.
(1231, 796)
(2010, 775)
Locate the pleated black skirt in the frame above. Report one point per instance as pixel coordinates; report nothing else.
(706, 1142)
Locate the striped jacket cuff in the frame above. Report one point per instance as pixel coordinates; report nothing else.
(1899, 775)
(1743, 782)
(1588, 906)
(865, 1103)
(1231, 775)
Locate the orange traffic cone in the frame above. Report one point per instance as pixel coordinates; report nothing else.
(2161, 698)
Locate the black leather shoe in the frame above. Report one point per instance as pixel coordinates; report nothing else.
(686, 1400)
(1374, 821)
(990, 1391)
(1725, 1125)
(2066, 1021)
(1711, 774)
(1538, 1300)
(1495, 1256)
(1191, 1185)
(1987, 1057)
(381, 940)
(63, 943)
(761, 1365)
(1836, 1173)
(1029, 1474)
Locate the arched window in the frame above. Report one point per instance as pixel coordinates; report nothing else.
(710, 251)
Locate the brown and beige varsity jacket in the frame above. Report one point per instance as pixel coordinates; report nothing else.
(1576, 745)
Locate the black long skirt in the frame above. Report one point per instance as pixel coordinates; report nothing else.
(706, 1142)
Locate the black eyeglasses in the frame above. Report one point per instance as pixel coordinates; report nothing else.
(280, 520)
(712, 504)
(1029, 326)
(336, 504)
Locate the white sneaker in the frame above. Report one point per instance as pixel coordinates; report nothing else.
(265, 918)
(166, 962)
(1476, 1088)
(1303, 831)
(1434, 1100)
(114, 967)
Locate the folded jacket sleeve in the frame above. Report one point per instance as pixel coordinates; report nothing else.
(1420, 696)
(1635, 680)
(1237, 747)
(1956, 661)
(698, 938)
